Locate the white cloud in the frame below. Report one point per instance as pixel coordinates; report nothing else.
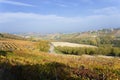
(35, 22)
(32, 16)
(12, 22)
(16, 3)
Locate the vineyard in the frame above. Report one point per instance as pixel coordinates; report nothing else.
(43, 66)
(7, 46)
(23, 60)
(28, 60)
(11, 45)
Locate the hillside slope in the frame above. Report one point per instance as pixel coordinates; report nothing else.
(13, 44)
(22, 60)
(43, 66)
(10, 36)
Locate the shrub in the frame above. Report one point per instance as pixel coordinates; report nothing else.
(43, 46)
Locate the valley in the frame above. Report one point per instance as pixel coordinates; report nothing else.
(57, 59)
(59, 39)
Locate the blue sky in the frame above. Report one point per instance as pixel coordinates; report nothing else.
(48, 16)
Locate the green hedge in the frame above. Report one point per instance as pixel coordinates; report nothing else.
(108, 51)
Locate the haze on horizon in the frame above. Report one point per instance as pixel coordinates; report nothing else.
(48, 16)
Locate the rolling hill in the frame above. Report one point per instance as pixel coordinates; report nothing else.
(10, 36)
(23, 60)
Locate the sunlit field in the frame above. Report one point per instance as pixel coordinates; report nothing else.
(20, 64)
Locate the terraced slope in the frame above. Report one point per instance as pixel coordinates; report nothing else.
(7, 46)
(11, 45)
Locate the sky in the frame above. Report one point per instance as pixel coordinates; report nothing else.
(52, 16)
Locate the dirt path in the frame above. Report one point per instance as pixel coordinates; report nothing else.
(51, 50)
